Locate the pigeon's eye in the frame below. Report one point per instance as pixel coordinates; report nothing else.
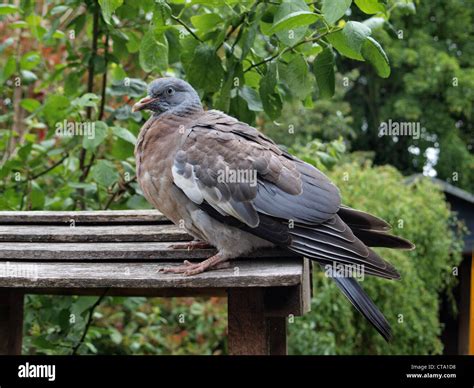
(170, 91)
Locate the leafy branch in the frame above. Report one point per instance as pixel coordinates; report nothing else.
(186, 27)
(90, 87)
(309, 39)
(89, 321)
(122, 188)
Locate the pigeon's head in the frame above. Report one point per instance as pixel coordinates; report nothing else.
(168, 94)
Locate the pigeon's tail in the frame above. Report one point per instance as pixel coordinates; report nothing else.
(341, 247)
(371, 230)
(354, 292)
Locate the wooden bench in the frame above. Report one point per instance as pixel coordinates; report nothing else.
(118, 253)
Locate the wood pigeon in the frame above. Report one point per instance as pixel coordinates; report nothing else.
(232, 187)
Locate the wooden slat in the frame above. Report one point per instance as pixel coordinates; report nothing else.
(99, 233)
(112, 251)
(94, 217)
(250, 273)
(171, 292)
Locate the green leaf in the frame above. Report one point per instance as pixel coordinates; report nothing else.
(153, 52)
(206, 22)
(9, 68)
(90, 143)
(161, 13)
(108, 8)
(124, 134)
(174, 45)
(323, 68)
(296, 75)
(253, 99)
(37, 196)
(349, 40)
(375, 55)
(86, 100)
(6, 9)
(30, 60)
(133, 44)
(42, 343)
(55, 108)
(204, 70)
(86, 186)
(28, 77)
(290, 22)
(294, 20)
(239, 108)
(131, 87)
(29, 104)
(25, 151)
(18, 24)
(58, 9)
(248, 38)
(333, 10)
(104, 173)
(370, 6)
(374, 22)
(115, 336)
(271, 100)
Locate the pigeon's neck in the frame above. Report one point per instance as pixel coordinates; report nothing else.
(185, 109)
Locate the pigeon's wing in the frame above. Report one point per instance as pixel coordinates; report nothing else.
(242, 178)
(241, 174)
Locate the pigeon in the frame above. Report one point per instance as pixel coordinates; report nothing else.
(232, 187)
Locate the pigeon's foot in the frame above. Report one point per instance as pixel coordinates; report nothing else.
(191, 245)
(188, 268)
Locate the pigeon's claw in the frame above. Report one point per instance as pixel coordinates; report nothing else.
(189, 269)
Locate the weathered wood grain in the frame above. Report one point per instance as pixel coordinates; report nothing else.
(143, 251)
(121, 251)
(11, 321)
(247, 323)
(276, 334)
(251, 332)
(92, 217)
(242, 273)
(171, 292)
(97, 233)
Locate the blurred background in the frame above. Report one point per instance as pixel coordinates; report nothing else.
(379, 94)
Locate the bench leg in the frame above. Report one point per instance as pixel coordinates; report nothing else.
(250, 331)
(11, 321)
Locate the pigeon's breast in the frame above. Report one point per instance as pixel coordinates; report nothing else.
(155, 151)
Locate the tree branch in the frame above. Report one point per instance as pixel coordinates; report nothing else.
(187, 28)
(89, 321)
(289, 48)
(104, 79)
(237, 25)
(90, 89)
(60, 161)
(121, 189)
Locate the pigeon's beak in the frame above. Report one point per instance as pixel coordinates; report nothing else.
(140, 105)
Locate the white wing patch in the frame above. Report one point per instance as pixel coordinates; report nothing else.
(198, 193)
(188, 185)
